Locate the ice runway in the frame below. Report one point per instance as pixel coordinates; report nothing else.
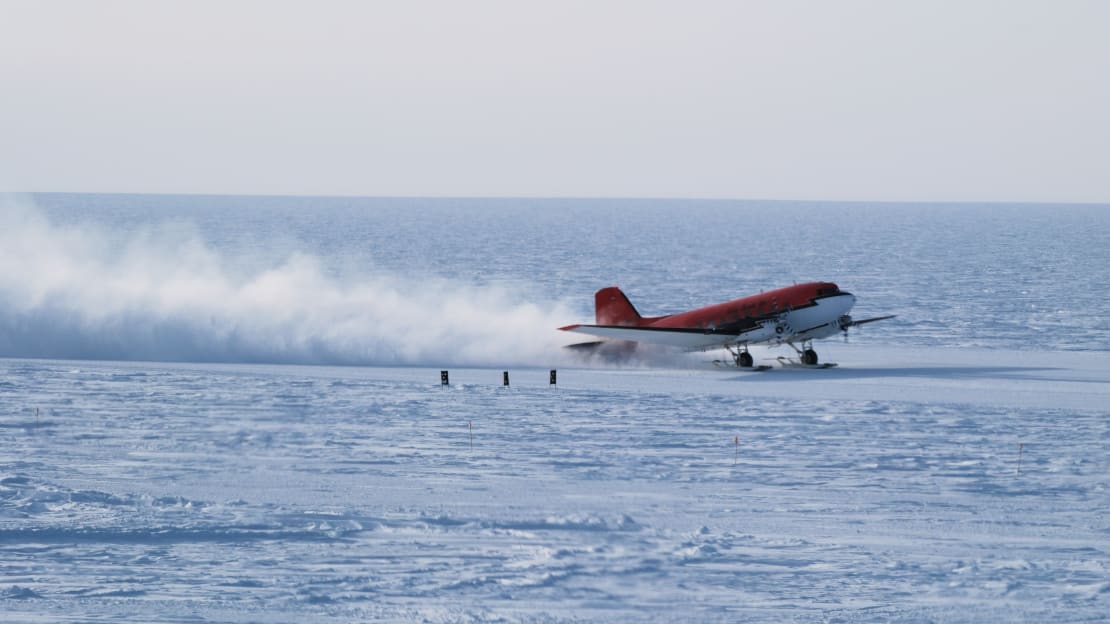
(888, 488)
(1002, 378)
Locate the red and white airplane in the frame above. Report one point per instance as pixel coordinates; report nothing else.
(795, 316)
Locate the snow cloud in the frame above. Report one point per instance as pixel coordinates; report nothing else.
(164, 294)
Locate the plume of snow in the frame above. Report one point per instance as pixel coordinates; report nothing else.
(163, 294)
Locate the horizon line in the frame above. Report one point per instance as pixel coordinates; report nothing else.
(918, 202)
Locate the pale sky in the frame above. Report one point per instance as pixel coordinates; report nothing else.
(931, 100)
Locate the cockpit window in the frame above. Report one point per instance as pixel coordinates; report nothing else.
(827, 290)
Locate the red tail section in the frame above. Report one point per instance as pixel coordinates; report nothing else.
(612, 307)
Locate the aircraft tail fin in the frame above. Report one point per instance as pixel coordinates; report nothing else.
(612, 307)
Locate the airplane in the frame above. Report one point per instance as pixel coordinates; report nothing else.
(794, 315)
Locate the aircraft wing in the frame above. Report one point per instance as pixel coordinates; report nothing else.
(845, 323)
(870, 320)
(672, 337)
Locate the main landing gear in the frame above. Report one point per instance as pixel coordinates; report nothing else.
(741, 358)
(806, 354)
(807, 357)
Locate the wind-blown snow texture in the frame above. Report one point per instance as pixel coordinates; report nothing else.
(888, 489)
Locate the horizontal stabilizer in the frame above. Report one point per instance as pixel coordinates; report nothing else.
(585, 346)
(671, 337)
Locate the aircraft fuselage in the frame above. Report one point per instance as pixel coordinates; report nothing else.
(786, 315)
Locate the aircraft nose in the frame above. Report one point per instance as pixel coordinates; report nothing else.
(849, 300)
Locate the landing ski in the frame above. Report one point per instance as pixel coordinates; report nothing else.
(732, 365)
(788, 363)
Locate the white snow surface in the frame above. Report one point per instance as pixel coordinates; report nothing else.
(887, 489)
(289, 455)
